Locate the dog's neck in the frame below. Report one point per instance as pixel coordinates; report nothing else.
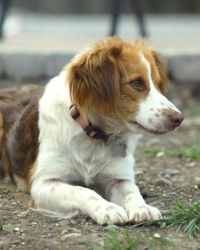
(90, 130)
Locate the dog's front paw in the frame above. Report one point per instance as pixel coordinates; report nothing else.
(109, 213)
(143, 213)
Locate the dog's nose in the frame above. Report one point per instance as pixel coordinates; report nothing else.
(176, 118)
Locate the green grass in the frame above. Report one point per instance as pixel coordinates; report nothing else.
(185, 219)
(113, 241)
(192, 152)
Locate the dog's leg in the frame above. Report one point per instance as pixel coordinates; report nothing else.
(126, 194)
(64, 198)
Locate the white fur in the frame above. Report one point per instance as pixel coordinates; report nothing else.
(150, 109)
(67, 157)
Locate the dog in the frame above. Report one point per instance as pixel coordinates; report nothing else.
(72, 148)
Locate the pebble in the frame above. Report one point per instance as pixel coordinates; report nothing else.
(16, 229)
(171, 172)
(161, 204)
(64, 232)
(102, 243)
(50, 235)
(192, 164)
(162, 182)
(69, 236)
(156, 235)
(197, 182)
(139, 171)
(160, 154)
(23, 214)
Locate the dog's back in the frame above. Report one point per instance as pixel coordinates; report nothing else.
(13, 102)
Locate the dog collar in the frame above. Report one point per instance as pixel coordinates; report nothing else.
(91, 131)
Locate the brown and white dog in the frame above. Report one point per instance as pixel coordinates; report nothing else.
(80, 136)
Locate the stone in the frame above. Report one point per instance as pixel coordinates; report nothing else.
(160, 154)
(69, 236)
(50, 235)
(64, 232)
(23, 214)
(16, 229)
(171, 172)
(197, 182)
(156, 235)
(162, 182)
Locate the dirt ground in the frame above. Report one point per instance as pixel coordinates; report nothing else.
(162, 179)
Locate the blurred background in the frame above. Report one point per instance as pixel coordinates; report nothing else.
(38, 38)
(104, 6)
(163, 22)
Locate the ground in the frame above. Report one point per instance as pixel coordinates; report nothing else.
(162, 179)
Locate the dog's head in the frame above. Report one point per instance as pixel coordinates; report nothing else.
(124, 81)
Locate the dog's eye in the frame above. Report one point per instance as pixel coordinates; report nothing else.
(137, 84)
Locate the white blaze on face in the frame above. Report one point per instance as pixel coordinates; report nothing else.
(155, 108)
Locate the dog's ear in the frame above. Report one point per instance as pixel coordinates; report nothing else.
(162, 71)
(93, 79)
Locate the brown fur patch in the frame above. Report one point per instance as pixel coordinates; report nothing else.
(31, 203)
(30, 174)
(94, 78)
(101, 77)
(23, 142)
(13, 101)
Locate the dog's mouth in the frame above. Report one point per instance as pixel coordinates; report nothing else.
(141, 129)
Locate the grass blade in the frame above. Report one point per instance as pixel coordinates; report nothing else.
(186, 219)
